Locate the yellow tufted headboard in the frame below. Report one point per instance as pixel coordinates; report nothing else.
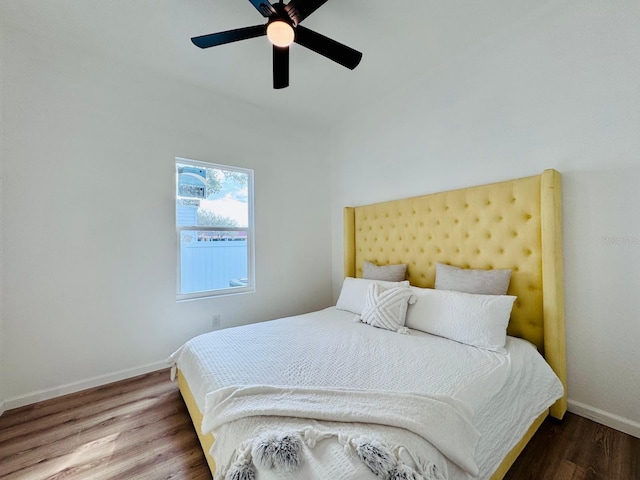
(515, 224)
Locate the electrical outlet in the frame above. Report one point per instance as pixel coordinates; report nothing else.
(215, 321)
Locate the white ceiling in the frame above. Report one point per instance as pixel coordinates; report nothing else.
(401, 43)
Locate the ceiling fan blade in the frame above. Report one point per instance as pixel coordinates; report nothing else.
(298, 10)
(220, 38)
(264, 7)
(280, 67)
(336, 51)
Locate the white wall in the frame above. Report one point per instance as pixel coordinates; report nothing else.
(89, 233)
(560, 89)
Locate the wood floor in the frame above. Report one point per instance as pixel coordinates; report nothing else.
(134, 429)
(578, 449)
(140, 429)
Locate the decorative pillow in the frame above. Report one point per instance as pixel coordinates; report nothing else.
(478, 320)
(484, 282)
(389, 273)
(387, 307)
(354, 292)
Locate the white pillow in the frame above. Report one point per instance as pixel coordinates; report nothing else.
(354, 293)
(387, 307)
(478, 320)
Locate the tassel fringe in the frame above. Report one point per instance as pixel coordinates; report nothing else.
(284, 453)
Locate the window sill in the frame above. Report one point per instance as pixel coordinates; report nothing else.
(187, 297)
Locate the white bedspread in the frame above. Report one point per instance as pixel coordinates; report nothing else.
(326, 352)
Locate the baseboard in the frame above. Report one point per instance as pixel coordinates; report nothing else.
(74, 387)
(617, 422)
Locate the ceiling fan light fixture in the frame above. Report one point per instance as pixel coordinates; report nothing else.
(280, 33)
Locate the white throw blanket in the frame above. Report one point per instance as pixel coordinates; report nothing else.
(440, 420)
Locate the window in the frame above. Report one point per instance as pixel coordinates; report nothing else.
(214, 224)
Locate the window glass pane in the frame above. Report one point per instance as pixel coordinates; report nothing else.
(212, 260)
(212, 197)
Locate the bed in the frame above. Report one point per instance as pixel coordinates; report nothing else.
(513, 225)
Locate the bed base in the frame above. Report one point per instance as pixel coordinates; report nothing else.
(206, 441)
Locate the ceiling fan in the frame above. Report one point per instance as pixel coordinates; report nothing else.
(282, 29)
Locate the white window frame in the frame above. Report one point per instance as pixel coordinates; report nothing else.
(251, 284)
